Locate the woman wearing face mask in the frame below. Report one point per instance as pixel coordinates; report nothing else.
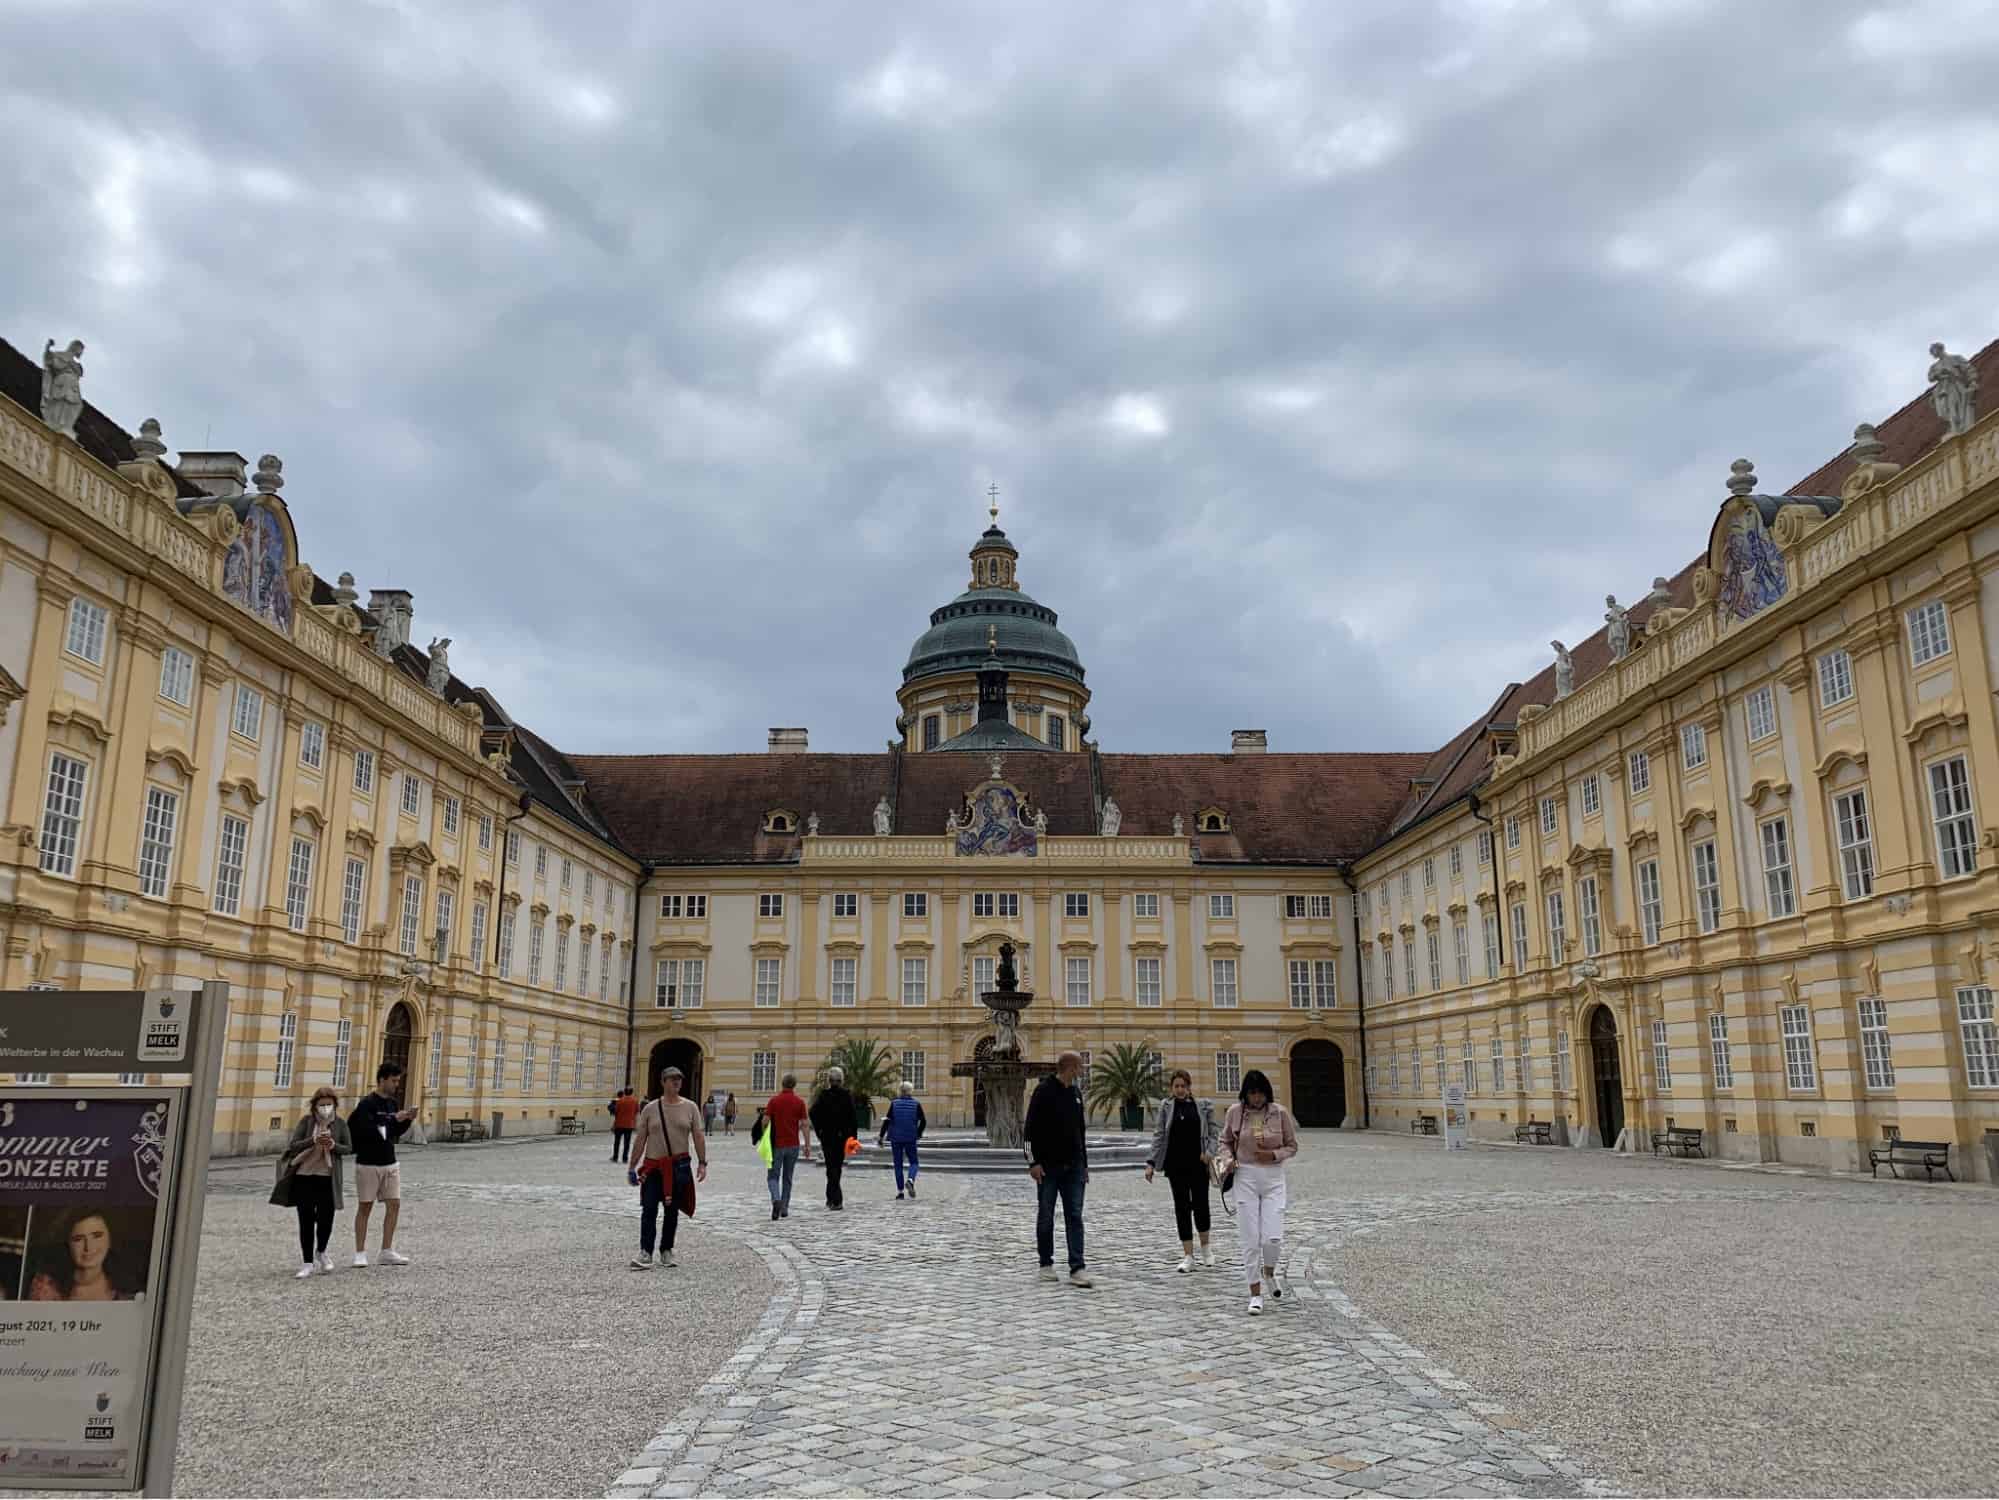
(309, 1178)
(1258, 1138)
(1183, 1143)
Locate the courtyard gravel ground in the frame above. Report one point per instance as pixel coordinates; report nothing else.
(517, 1355)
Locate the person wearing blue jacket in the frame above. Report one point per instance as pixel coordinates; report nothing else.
(902, 1128)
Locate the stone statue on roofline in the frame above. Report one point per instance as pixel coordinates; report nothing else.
(1565, 671)
(812, 825)
(62, 386)
(1113, 817)
(881, 817)
(951, 823)
(1953, 390)
(1616, 628)
(440, 664)
(1179, 826)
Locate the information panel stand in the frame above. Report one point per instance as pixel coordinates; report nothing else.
(101, 1192)
(1457, 1133)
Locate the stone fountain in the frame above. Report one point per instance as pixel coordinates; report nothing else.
(1003, 1076)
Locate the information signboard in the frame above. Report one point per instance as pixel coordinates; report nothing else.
(1456, 1133)
(101, 1189)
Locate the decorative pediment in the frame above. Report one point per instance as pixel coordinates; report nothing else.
(309, 813)
(1641, 833)
(69, 712)
(1694, 813)
(1947, 713)
(1219, 945)
(417, 854)
(1211, 820)
(691, 946)
(539, 911)
(780, 820)
(1846, 753)
(1455, 909)
(1765, 789)
(1516, 887)
(243, 788)
(1407, 929)
(11, 691)
(173, 755)
(564, 921)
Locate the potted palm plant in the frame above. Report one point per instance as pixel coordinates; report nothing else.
(1125, 1078)
(870, 1073)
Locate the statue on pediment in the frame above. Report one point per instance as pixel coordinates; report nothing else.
(62, 386)
(882, 817)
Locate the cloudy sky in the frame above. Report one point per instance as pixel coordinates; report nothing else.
(1329, 358)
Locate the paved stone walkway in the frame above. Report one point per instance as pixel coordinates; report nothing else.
(912, 1350)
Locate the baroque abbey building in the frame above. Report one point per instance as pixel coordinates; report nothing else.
(1725, 865)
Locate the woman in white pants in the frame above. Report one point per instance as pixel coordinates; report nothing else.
(1259, 1137)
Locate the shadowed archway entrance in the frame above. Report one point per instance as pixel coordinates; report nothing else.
(676, 1052)
(396, 1034)
(1319, 1084)
(1607, 1075)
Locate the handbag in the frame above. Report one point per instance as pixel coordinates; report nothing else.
(757, 1128)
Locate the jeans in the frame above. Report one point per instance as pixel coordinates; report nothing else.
(1068, 1182)
(1259, 1199)
(653, 1195)
(313, 1198)
(904, 1150)
(621, 1144)
(1190, 1201)
(783, 1162)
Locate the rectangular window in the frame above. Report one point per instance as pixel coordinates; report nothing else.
(472, 1064)
(1056, 731)
(1146, 984)
(1409, 964)
(1221, 905)
(770, 982)
(1651, 910)
(1558, 934)
(1228, 1074)
(1662, 1057)
(87, 621)
(1319, 908)
(1856, 844)
(500, 1061)
(1800, 1061)
(1592, 914)
(666, 984)
(913, 1071)
(763, 1072)
(1562, 1060)
(177, 678)
(1416, 1068)
(156, 841)
(513, 848)
(1387, 971)
(1641, 772)
(1512, 833)
(1461, 941)
(1550, 816)
(507, 942)
(1145, 904)
(933, 731)
(248, 720)
(1498, 1065)
(562, 958)
(1076, 980)
(312, 745)
(1489, 923)
(1693, 746)
(287, 1042)
(541, 861)
(1468, 1067)
(1592, 796)
(480, 914)
(1433, 956)
(1519, 935)
(485, 833)
(1294, 908)
(843, 982)
(1950, 810)
(1777, 883)
(1874, 1049)
(1484, 848)
(568, 873)
(343, 1052)
(583, 967)
(983, 970)
(1301, 984)
(1222, 976)
(1981, 1037)
(1523, 1065)
(1429, 874)
(1325, 983)
(846, 904)
(1717, 1042)
(671, 906)
(451, 808)
(298, 884)
(554, 1067)
(915, 904)
(1405, 888)
(1076, 904)
(527, 1066)
(1759, 712)
(1929, 632)
(1835, 678)
(982, 903)
(364, 771)
(915, 981)
(353, 892)
(590, 886)
(412, 913)
(231, 847)
(1707, 886)
(770, 904)
(1395, 1070)
(604, 975)
(537, 935)
(1457, 857)
(412, 794)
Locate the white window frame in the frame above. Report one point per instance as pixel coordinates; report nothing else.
(246, 717)
(846, 903)
(843, 982)
(500, 1062)
(1488, 923)
(353, 898)
(763, 1072)
(1641, 772)
(1409, 964)
(769, 983)
(527, 1066)
(485, 833)
(1854, 831)
(1300, 973)
(1651, 902)
(1512, 831)
(1718, 1050)
(1800, 1053)
(281, 1077)
(1077, 974)
(1562, 1059)
(312, 745)
(984, 969)
(1484, 848)
(1556, 911)
(1980, 1036)
(412, 917)
(1224, 983)
(1876, 1050)
(89, 627)
(1706, 864)
(1589, 909)
(1461, 942)
(537, 942)
(1498, 1055)
(1929, 632)
(1835, 678)
(1456, 856)
(561, 959)
(1693, 746)
(1144, 904)
(343, 1052)
(915, 981)
(1523, 1064)
(231, 858)
(481, 914)
(1221, 906)
(157, 835)
(1075, 903)
(915, 904)
(1780, 886)
(770, 905)
(1592, 792)
(1519, 918)
(1433, 957)
(177, 676)
(1662, 1057)
(1468, 1066)
(1551, 817)
(568, 873)
(298, 882)
(1759, 713)
(1953, 816)
(451, 814)
(508, 915)
(1148, 982)
(1429, 872)
(1228, 1074)
(412, 793)
(364, 772)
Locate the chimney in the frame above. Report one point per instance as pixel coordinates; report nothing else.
(396, 609)
(1249, 741)
(787, 741)
(220, 474)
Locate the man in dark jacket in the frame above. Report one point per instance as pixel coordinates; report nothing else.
(834, 1122)
(376, 1125)
(1059, 1163)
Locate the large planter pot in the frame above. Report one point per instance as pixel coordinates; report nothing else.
(1131, 1116)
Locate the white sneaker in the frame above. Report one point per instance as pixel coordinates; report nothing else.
(394, 1258)
(325, 1264)
(641, 1262)
(1081, 1278)
(1208, 1257)
(1048, 1274)
(666, 1260)
(303, 1272)
(1255, 1307)
(1186, 1264)
(360, 1257)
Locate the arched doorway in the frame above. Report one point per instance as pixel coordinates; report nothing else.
(676, 1052)
(396, 1034)
(982, 1052)
(1608, 1074)
(1319, 1084)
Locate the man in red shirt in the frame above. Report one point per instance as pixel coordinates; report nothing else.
(624, 1117)
(785, 1113)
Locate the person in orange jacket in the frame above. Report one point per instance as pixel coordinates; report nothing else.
(624, 1118)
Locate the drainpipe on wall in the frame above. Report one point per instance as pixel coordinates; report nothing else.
(1359, 991)
(1498, 911)
(632, 983)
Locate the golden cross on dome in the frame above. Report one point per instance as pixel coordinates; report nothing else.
(992, 502)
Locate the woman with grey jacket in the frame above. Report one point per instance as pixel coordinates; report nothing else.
(309, 1178)
(1183, 1144)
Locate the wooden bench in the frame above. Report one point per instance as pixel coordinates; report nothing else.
(1929, 1155)
(1423, 1125)
(1679, 1140)
(569, 1125)
(1534, 1133)
(467, 1130)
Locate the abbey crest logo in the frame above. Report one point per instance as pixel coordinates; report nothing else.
(162, 1029)
(149, 1148)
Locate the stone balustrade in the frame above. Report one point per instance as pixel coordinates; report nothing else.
(904, 849)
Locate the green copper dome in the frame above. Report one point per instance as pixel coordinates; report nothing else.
(1025, 631)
